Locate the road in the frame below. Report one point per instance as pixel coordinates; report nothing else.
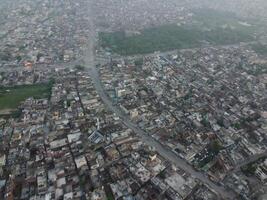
(149, 140)
(250, 159)
(165, 53)
(89, 61)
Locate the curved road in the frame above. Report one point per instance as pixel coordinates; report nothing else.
(146, 138)
(163, 151)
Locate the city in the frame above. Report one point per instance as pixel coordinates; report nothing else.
(132, 100)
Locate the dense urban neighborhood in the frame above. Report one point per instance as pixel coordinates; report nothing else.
(133, 100)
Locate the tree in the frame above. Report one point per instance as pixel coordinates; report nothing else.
(18, 58)
(249, 169)
(79, 67)
(215, 146)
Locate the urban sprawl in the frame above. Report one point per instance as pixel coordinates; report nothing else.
(79, 121)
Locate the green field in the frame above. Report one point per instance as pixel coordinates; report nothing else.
(208, 28)
(11, 97)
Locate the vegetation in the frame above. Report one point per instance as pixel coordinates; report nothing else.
(110, 197)
(39, 55)
(215, 146)
(257, 70)
(11, 97)
(205, 121)
(249, 169)
(80, 67)
(212, 150)
(220, 122)
(139, 62)
(5, 56)
(17, 113)
(260, 48)
(220, 29)
(18, 58)
(237, 125)
(210, 18)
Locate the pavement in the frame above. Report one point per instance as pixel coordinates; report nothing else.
(250, 159)
(90, 64)
(149, 140)
(146, 138)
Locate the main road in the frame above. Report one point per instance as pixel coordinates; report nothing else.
(149, 140)
(90, 64)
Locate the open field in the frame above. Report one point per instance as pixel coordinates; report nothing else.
(221, 29)
(11, 97)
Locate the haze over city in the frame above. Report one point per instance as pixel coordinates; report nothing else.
(133, 100)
